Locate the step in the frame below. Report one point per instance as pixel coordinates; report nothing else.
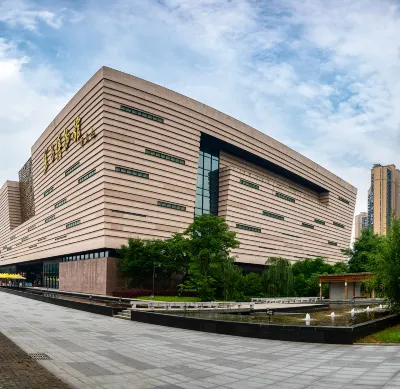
(122, 317)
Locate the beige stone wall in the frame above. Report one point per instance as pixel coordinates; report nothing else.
(10, 210)
(288, 238)
(112, 206)
(97, 276)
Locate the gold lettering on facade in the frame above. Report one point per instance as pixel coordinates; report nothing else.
(55, 151)
(46, 163)
(67, 138)
(59, 148)
(76, 134)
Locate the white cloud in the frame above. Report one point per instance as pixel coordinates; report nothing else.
(20, 13)
(29, 97)
(323, 80)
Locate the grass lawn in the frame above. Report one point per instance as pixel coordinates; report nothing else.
(171, 299)
(390, 335)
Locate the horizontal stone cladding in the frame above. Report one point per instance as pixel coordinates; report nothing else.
(36, 238)
(290, 229)
(113, 201)
(10, 208)
(132, 203)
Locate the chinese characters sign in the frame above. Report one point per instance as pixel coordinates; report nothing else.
(55, 151)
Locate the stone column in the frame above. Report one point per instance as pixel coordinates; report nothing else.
(320, 290)
(373, 294)
(346, 291)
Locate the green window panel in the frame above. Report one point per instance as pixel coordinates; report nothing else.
(164, 156)
(274, 215)
(338, 224)
(319, 221)
(131, 172)
(25, 238)
(9, 248)
(49, 218)
(48, 191)
(248, 228)
(12, 237)
(332, 243)
(72, 168)
(307, 225)
(87, 176)
(285, 197)
(143, 114)
(172, 206)
(344, 200)
(73, 224)
(250, 184)
(267, 248)
(61, 202)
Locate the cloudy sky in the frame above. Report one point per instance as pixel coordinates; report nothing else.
(322, 77)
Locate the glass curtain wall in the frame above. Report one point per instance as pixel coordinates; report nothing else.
(50, 275)
(207, 188)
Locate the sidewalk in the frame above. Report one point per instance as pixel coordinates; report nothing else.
(19, 371)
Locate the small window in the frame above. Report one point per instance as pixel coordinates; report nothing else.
(307, 225)
(338, 224)
(250, 184)
(274, 215)
(285, 197)
(248, 228)
(319, 221)
(135, 111)
(169, 205)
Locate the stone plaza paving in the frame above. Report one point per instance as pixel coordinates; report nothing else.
(93, 351)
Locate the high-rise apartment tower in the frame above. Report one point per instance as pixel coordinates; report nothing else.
(360, 223)
(383, 197)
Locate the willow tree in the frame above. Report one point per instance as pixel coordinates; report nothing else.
(278, 277)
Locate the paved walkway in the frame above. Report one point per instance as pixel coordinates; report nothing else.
(19, 371)
(93, 351)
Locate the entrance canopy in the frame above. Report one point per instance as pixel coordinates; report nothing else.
(7, 276)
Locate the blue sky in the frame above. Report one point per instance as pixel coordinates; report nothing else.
(322, 77)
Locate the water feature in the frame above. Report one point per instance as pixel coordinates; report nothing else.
(333, 315)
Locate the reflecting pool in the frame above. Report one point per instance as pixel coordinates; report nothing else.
(334, 315)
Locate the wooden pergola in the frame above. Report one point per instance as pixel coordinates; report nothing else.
(345, 278)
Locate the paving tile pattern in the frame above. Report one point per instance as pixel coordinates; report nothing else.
(19, 371)
(93, 351)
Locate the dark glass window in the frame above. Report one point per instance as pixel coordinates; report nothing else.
(207, 191)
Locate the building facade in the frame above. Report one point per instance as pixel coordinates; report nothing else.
(361, 222)
(128, 158)
(383, 197)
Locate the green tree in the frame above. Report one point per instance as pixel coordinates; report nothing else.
(365, 251)
(252, 285)
(278, 278)
(209, 245)
(387, 267)
(136, 260)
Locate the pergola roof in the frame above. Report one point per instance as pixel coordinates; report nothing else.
(346, 277)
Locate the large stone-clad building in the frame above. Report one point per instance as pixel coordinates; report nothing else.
(126, 157)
